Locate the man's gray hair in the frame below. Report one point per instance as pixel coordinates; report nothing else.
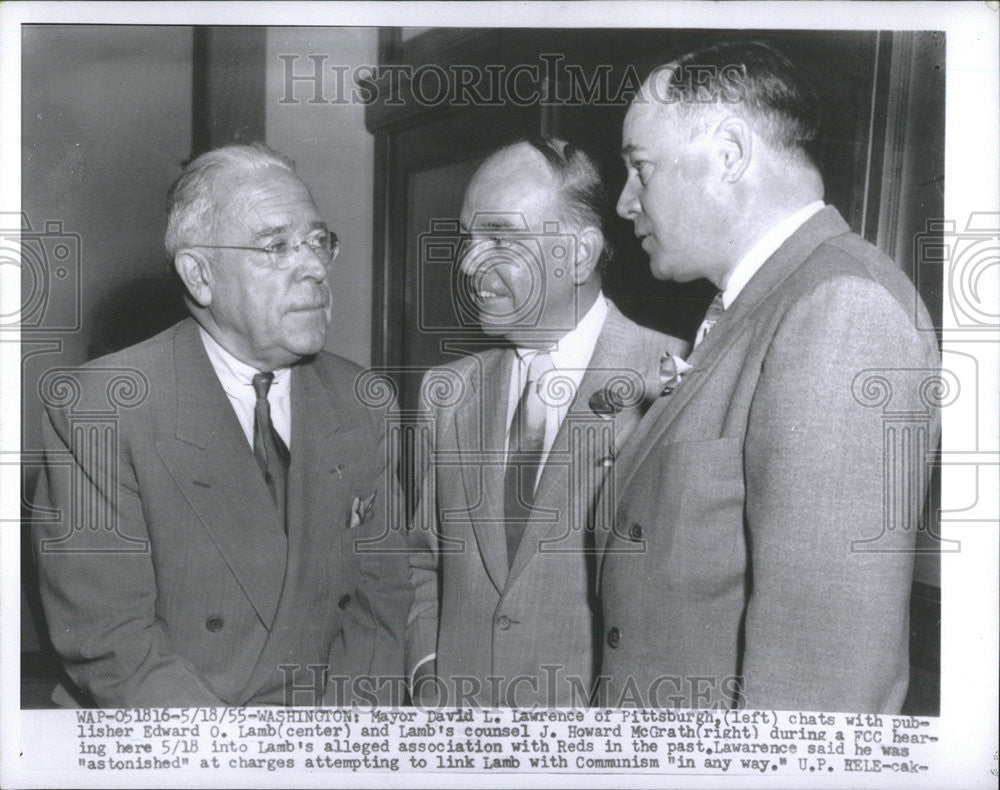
(193, 202)
(583, 199)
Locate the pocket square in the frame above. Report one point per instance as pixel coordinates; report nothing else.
(361, 510)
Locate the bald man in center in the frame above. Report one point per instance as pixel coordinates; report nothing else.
(524, 438)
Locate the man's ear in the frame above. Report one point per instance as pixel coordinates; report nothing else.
(589, 246)
(734, 145)
(196, 274)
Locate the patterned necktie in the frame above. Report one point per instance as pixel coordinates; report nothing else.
(268, 448)
(525, 444)
(715, 311)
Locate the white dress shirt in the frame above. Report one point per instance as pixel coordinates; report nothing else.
(236, 378)
(765, 247)
(570, 359)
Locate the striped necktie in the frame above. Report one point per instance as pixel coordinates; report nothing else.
(268, 448)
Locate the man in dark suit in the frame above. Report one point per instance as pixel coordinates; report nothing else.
(227, 541)
(761, 551)
(523, 439)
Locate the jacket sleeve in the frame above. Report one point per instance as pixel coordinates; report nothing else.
(97, 581)
(422, 539)
(830, 514)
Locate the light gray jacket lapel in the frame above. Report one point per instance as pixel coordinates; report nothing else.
(586, 445)
(481, 435)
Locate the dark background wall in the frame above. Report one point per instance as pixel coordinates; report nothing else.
(106, 121)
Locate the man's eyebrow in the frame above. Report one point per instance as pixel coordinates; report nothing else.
(628, 150)
(273, 230)
(495, 224)
(278, 230)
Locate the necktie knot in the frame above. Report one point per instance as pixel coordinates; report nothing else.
(261, 384)
(534, 397)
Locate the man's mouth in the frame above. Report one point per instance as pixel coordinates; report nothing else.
(484, 291)
(310, 306)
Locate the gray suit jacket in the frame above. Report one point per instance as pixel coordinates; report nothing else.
(166, 575)
(530, 627)
(762, 549)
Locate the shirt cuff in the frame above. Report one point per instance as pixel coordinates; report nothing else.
(420, 663)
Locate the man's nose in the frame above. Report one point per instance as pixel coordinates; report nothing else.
(310, 263)
(628, 201)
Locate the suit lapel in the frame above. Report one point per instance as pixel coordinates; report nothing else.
(822, 226)
(481, 435)
(316, 509)
(577, 464)
(315, 453)
(213, 465)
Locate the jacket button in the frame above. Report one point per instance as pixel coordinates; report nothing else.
(635, 532)
(503, 622)
(342, 603)
(614, 637)
(214, 624)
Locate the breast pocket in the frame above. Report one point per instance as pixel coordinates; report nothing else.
(689, 505)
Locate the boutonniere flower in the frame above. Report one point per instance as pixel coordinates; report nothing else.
(605, 403)
(673, 369)
(362, 509)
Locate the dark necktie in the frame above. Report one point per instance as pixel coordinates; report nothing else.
(525, 443)
(268, 448)
(715, 311)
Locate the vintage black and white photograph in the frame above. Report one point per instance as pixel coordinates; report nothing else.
(481, 392)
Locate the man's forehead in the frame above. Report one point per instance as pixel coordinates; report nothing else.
(266, 196)
(269, 180)
(506, 188)
(519, 165)
(641, 127)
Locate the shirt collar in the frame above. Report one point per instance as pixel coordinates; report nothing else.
(236, 375)
(575, 348)
(765, 247)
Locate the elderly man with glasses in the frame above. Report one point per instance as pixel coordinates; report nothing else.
(230, 540)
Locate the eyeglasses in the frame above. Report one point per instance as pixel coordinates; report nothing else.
(323, 244)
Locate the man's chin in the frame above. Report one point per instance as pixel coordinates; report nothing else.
(669, 271)
(494, 329)
(305, 345)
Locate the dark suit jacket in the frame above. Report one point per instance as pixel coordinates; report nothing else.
(761, 552)
(166, 575)
(532, 627)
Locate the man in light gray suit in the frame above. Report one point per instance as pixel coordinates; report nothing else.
(524, 438)
(761, 551)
